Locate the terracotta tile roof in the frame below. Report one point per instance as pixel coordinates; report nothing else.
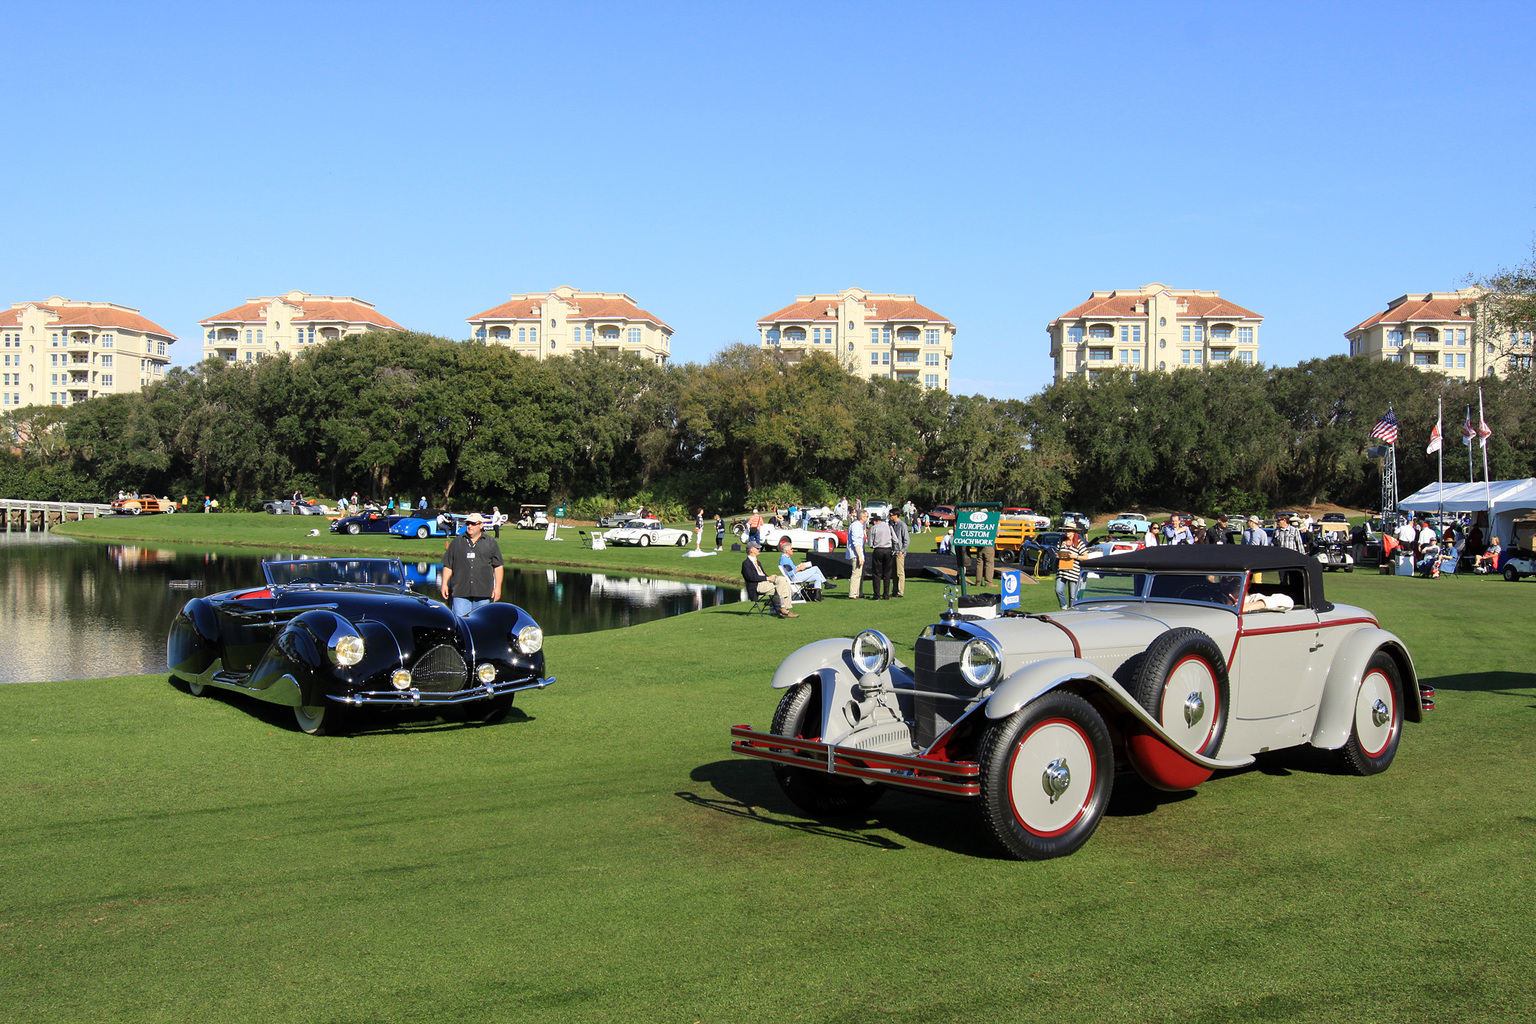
(1416, 311)
(92, 316)
(586, 308)
(312, 310)
(877, 311)
(1204, 307)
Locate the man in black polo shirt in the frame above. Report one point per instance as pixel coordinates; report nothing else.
(472, 568)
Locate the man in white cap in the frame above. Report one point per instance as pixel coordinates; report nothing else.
(472, 568)
(1255, 534)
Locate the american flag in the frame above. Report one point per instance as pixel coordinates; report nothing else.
(1386, 430)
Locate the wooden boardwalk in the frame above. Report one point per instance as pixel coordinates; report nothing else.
(26, 516)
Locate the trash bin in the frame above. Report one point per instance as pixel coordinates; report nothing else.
(1402, 565)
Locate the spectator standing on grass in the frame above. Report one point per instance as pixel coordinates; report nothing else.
(1408, 535)
(719, 532)
(1216, 533)
(881, 546)
(1069, 570)
(472, 568)
(1255, 533)
(855, 554)
(1287, 536)
(755, 527)
(1177, 532)
(903, 542)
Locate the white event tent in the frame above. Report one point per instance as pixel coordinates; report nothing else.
(1509, 500)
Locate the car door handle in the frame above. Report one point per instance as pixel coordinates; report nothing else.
(1316, 646)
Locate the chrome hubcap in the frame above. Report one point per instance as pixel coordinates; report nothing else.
(1056, 779)
(1380, 713)
(1194, 708)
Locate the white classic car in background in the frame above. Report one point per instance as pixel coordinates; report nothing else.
(1166, 666)
(800, 538)
(647, 532)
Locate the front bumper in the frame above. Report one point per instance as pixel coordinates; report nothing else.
(417, 698)
(952, 778)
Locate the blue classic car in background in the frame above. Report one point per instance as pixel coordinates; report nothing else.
(332, 637)
(424, 523)
(366, 522)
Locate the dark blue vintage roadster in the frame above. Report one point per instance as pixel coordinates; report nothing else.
(330, 637)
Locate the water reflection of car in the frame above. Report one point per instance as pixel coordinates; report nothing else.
(424, 523)
(1165, 667)
(331, 637)
(366, 522)
(647, 532)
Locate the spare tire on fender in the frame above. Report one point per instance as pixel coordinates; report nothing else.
(1182, 683)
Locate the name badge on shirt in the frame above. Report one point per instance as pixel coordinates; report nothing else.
(469, 554)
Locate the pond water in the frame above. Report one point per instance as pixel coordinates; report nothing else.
(80, 610)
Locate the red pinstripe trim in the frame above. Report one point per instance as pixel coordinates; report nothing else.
(1358, 620)
(1077, 650)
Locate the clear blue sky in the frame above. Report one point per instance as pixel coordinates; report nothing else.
(1310, 161)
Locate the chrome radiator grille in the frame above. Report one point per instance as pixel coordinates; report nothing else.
(937, 664)
(440, 670)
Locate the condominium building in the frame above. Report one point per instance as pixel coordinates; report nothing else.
(882, 335)
(291, 323)
(1445, 332)
(565, 320)
(1152, 327)
(60, 351)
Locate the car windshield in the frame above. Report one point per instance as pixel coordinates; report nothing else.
(1223, 590)
(378, 572)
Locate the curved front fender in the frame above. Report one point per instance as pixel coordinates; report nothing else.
(1032, 681)
(811, 659)
(1336, 710)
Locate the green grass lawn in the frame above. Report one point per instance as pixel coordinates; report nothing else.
(602, 856)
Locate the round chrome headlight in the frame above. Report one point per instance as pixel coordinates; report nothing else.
(348, 650)
(400, 679)
(530, 639)
(871, 652)
(486, 673)
(980, 663)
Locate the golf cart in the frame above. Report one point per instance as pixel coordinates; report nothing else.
(1521, 557)
(532, 517)
(1331, 543)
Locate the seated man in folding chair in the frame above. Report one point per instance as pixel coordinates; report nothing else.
(759, 583)
(810, 579)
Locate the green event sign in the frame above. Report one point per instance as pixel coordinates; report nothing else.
(976, 527)
(560, 512)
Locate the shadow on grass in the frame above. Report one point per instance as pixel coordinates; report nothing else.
(1502, 684)
(748, 790)
(359, 722)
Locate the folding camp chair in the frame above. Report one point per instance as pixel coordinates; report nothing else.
(796, 590)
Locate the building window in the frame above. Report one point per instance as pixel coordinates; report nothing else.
(885, 335)
(874, 359)
(106, 360)
(1245, 335)
(1421, 337)
(907, 335)
(932, 358)
(1186, 334)
(107, 341)
(634, 335)
(1221, 335)
(250, 357)
(1199, 334)
(1220, 355)
(1461, 360)
(533, 336)
(1425, 359)
(522, 335)
(907, 357)
(816, 336)
(931, 380)
(479, 333)
(1074, 335)
(609, 334)
(1130, 335)
(247, 337)
(1101, 355)
(773, 335)
(795, 335)
(885, 357)
(1162, 321)
(1101, 331)
(106, 380)
(931, 336)
(1246, 357)
(1394, 338)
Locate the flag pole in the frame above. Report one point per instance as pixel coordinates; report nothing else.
(1483, 440)
(1466, 439)
(1440, 456)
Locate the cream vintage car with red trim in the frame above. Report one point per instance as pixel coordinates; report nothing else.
(1175, 663)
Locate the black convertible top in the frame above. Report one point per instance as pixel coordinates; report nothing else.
(1216, 558)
